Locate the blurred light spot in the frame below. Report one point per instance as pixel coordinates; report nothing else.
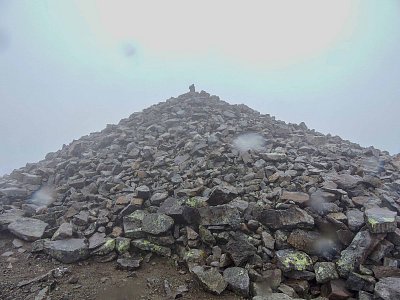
(249, 141)
(43, 197)
(129, 50)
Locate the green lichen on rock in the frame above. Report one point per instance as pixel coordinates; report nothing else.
(106, 248)
(292, 260)
(146, 245)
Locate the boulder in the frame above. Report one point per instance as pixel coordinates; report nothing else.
(380, 220)
(28, 229)
(388, 288)
(67, 251)
(238, 280)
(291, 218)
(210, 279)
(157, 223)
(292, 260)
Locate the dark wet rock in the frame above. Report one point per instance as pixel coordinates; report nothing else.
(133, 224)
(143, 192)
(67, 251)
(268, 240)
(292, 260)
(291, 218)
(388, 288)
(240, 249)
(354, 255)
(157, 223)
(221, 195)
(210, 279)
(325, 271)
(181, 211)
(28, 229)
(238, 280)
(380, 220)
(358, 282)
(107, 247)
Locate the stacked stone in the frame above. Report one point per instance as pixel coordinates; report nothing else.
(299, 215)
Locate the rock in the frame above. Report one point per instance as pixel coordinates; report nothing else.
(393, 237)
(291, 218)
(306, 241)
(274, 157)
(384, 271)
(268, 240)
(10, 216)
(146, 245)
(221, 215)
(325, 272)
(14, 192)
(355, 219)
(273, 296)
(122, 245)
(65, 231)
(381, 250)
(133, 224)
(157, 223)
(354, 255)
(388, 288)
(107, 247)
(210, 279)
(31, 179)
(358, 282)
(240, 249)
(238, 280)
(297, 197)
(221, 195)
(206, 236)
(380, 220)
(28, 229)
(129, 264)
(335, 290)
(180, 211)
(292, 260)
(143, 192)
(97, 240)
(67, 251)
(158, 198)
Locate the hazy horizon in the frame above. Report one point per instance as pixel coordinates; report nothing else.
(68, 68)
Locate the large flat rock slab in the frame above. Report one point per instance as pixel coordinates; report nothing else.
(28, 229)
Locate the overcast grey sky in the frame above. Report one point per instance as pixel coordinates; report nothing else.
(67, 68)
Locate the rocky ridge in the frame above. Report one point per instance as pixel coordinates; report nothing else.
(248, 203)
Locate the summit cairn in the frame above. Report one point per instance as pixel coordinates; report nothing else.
(246, 203)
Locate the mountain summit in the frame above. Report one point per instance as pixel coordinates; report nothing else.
(244, 202)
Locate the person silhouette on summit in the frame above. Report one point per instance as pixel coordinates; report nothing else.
(192, 89)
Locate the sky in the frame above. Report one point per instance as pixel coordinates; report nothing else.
(68, 68)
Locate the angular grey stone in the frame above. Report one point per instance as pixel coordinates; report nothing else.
(65, 231)
(210, 279)
(220, 215)
(355, 219)
(157, 223)
(129, 264)
(238, 280)
(28, 229)
(388, 288)
(10, 216)
(221, 195)
(291, 218)
(67, 251)
(143, 192)
(146, 245)
(133, 224)
(96, 240)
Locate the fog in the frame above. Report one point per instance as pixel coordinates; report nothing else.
(68, 68)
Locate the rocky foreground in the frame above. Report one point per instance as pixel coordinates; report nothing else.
(247, 203)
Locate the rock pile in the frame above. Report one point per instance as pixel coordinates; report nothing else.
(301, 215)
